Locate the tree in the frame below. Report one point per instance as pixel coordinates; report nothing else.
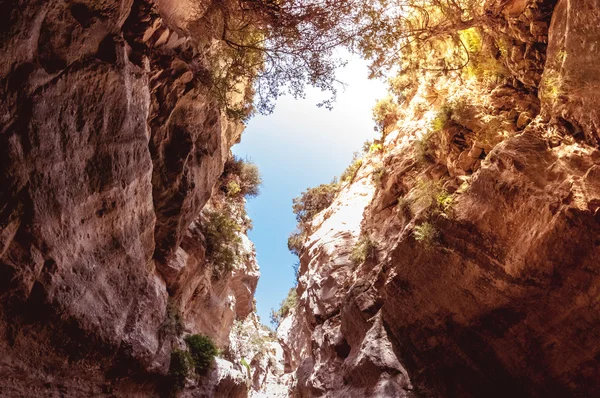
(283, 45)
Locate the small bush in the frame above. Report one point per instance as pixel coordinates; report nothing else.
(432, 195)
(202, 351)
(350, 173)
(484, 63)
(285, 307)
(173, 324)
(313, 201)
(377, 176)
(365, 249)
(296, 242)
(404, 85)
(425, 233)
(244, 174)
(403, 207)
(551, 86)
(289, 302)
(444, 199)
(424, 148)
(223, 244)
(179, 368)
(442, 118)
(385, 114)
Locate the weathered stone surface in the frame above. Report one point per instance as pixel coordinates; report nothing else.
(109, 148)
(569, 90)
(500, 299)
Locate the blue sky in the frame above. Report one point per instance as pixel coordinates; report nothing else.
(296, 147)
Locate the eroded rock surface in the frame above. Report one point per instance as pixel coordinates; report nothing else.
(110, 146)
(485, 280)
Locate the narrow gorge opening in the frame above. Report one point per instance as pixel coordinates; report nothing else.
(454, 253)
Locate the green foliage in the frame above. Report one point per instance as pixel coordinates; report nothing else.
(279, 46)
(313, 201)
(289, 302)
(432, 195)
(472, 40)
(285, 307)
(240, 178)
(173, 324)
(425, 233)
(403, 85)
(403, 207)
(180, 368)
(385, 114)
(365, 249)
(233, 188)
(551, 86)
(295, 242)
(246, 365)
(503, 46)
(442, 118)
(223, 244)
(375, 148)
(483, 64)
(444, 199)
(202, 350)
(350, 173)
(378, 175)
(424, 148)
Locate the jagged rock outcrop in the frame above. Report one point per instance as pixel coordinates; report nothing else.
(110, 146)
(485, 278)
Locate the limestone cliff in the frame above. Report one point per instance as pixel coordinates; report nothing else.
(482, 206)
(111, 144)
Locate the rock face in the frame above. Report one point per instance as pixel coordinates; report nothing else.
(110, 146)
(485, 279)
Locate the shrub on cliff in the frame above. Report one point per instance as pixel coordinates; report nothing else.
(365, 249)
(173, 323)
(314, 200)
(385, 115)
(403, 207)
(425, 233)
(198, 357)
(377, 176)
(240, 178)
(285, 307)
(424, 148)
(180, 368)
(223, 244)
(295, 242)
(350, 173)
(202, 351)
(432, 195)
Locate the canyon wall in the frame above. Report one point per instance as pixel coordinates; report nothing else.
(484, 278)
(111, 144)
